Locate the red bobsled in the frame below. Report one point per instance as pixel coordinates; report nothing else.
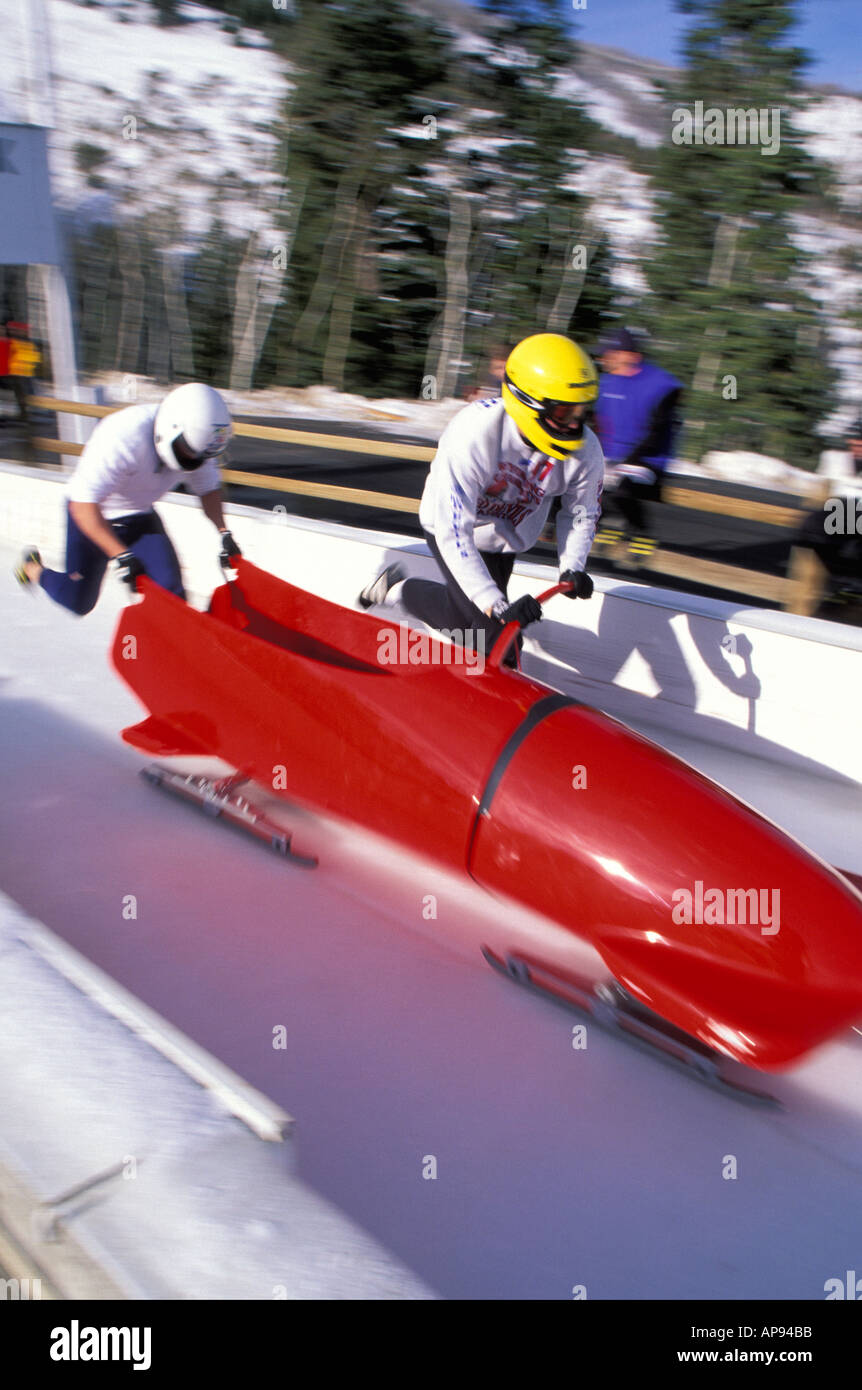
(648, 862)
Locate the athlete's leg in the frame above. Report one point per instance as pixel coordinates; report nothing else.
(78, 587)
(631, 496)
(147, 538)
(447, 607)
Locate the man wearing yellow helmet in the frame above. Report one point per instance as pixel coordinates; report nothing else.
(499, 466)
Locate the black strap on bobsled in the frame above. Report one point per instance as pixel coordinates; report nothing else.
(534, 716)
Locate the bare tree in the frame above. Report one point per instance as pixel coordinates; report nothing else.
(132, 312)
(575, 268)
(176, 309)
(259, 283)
(354, 249)
(451, 331)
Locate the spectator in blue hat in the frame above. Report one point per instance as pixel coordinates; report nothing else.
(636, 421)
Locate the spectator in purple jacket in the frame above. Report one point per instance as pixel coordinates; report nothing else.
(636, 421)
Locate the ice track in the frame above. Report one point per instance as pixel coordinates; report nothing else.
(556, 1167)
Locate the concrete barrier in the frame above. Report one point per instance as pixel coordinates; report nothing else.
(769, 684)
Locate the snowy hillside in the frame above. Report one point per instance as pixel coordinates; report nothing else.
(834, 122)
(174, 123)
(178, 126)
(620, 92)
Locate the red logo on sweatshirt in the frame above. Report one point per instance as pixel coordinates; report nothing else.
(514, 492)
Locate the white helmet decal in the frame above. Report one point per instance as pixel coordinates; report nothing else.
(192, 424)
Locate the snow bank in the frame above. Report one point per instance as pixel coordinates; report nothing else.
(402, 415)
(757, 470)
(179, 119)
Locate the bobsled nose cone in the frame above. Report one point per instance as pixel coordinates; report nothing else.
(762, 968)
(701, 908)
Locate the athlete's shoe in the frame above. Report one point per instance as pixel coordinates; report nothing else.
(31, 556)
(376, 591)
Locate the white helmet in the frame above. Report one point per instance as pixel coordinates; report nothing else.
(192, 425)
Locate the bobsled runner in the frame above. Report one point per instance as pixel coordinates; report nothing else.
(722, 937)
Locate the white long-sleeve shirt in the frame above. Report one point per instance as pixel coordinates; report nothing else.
(487, 490)
(120, 468)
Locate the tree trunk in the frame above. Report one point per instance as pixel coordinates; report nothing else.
(571, 283)
(344, 299)
(245, 307)
(720, 275)
(457, 289)
(179, 328)
(259, 283)
(340, 233)
(128, 353)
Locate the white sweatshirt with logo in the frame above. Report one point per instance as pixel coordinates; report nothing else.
(487, 490)
(120, 468)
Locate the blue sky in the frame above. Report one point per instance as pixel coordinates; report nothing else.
(830, 30)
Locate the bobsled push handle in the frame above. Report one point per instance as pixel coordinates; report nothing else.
(510, 632)
(563, 588)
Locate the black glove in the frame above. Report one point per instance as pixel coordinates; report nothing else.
(523, 611)
(583, 585)
(229, 550)
(129, 568)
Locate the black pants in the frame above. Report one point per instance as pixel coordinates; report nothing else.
(629, 497)
(21, 387)
(77, 587)
(447, 607)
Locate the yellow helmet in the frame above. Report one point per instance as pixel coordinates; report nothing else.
(547, 385)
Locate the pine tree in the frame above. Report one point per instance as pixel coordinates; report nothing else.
(731, 310)
(211, 278)
(167, 12)
(533, 261)
(368, 70)
(413, 255)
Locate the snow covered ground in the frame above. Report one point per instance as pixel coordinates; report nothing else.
(608, 106)
(834, 125)
(178, 121)
(423, 418)
(555, 1167)
(621, 205)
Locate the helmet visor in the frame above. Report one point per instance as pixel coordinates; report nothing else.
(186, 456)
(563, 420)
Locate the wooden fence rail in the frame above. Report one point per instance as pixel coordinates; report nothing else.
(799, 593)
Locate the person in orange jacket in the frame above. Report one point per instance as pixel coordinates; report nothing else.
(19, 358)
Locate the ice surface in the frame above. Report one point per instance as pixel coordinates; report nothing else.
(555, 1167)
(200, 1208)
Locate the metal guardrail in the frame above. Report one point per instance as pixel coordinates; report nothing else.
(796, 594)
